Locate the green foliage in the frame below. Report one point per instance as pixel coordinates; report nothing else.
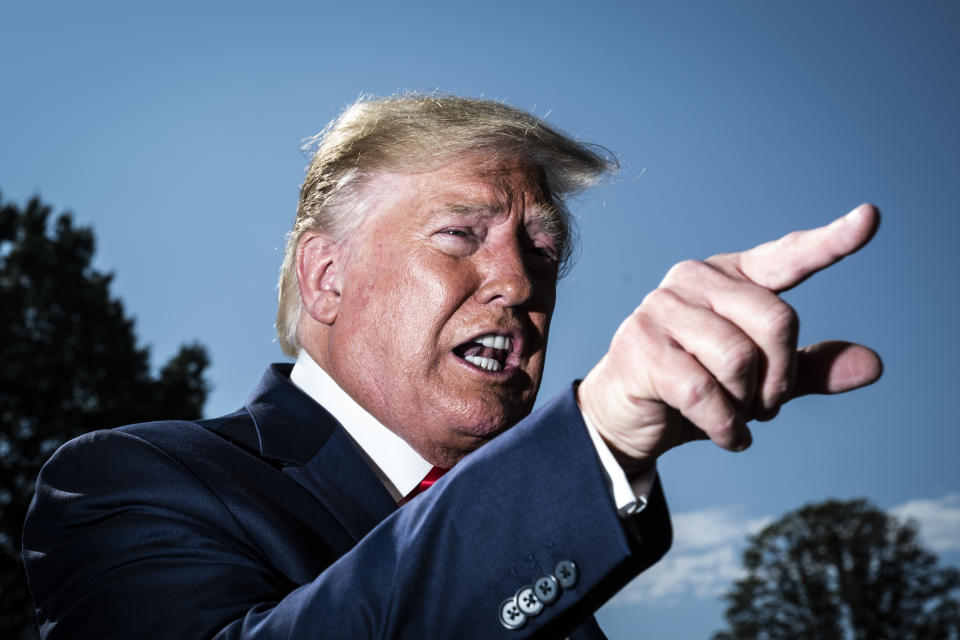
(70, 364)
(842, 570)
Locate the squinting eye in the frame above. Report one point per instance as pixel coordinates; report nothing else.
(456, 241)
(541, 251)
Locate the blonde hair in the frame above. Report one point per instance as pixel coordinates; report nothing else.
(415, 132)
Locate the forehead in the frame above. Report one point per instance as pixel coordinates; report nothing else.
(473, 187)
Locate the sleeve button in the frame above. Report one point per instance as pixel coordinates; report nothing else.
(511, 616)
(528, 601)
(547, 589)
(566, 573)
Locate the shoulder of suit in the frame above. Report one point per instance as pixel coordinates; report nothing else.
(236, 428)
(196, 440)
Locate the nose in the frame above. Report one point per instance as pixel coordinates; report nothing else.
(506, 280)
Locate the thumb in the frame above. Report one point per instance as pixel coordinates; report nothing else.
(834, 367)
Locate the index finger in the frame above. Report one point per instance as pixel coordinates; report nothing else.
(782, 264)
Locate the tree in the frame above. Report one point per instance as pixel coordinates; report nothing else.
(69, 363)
(842, 570)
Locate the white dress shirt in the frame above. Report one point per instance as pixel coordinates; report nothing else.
(401, 469)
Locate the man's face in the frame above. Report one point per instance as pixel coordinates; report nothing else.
(444, 260)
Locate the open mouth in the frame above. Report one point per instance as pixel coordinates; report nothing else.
(488, 352)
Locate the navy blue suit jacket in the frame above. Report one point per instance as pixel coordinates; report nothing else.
(268, 523)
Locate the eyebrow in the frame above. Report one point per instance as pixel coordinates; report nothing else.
(544, 212)
(480, 209)
(547, 213)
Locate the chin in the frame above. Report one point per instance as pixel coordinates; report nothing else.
(488, 422)
(465, 431)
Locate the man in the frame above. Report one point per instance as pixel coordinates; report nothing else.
(416, 292)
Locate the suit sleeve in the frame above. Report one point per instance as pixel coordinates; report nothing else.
(123, 541)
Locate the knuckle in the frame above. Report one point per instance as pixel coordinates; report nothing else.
(685, 270)
(723, 261)
(780, 320)
(791, 239)
(792, 270)
(636, 321)
(695, 391)
(723, 429)
(636, 330)
(661, 297)
(740, 358)
(776, 391)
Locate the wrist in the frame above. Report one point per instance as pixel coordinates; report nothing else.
(633, 463)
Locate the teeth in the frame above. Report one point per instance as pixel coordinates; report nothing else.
(494, 341)
(487, 364)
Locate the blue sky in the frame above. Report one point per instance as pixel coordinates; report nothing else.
(173, 129)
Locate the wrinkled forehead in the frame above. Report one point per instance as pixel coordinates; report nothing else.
(485, 186)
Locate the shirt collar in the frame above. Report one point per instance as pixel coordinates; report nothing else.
(396, 463)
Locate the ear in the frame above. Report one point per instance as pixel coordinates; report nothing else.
(319, 271)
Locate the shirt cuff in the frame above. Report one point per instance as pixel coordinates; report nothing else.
(629, 493)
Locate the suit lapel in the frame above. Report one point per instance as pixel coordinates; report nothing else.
(340, 477)
(315, 452)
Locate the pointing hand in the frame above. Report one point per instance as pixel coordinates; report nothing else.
(714, 346)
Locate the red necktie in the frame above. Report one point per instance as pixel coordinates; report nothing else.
(435, 474)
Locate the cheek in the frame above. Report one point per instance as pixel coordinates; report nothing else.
(440, 282)
(429, 291)
(542, 309)
(546, 285)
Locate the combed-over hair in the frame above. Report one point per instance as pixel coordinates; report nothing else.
(414, 133)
